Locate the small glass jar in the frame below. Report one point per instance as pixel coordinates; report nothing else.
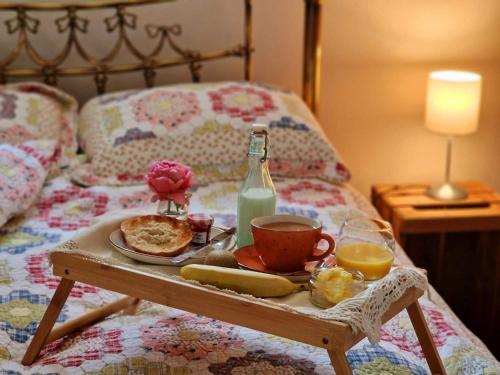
(167, 207)
(329, 285)
(200, 225)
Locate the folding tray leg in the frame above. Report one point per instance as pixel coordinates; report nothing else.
(425, 338)
(49, 318)
(46, 333)
(339, 362)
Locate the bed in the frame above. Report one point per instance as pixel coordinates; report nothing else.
(63, 195)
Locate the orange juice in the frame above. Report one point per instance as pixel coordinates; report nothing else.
(373, 260)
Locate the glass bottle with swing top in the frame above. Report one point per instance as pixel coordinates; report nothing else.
(257, 196)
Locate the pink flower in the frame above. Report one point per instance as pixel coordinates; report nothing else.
(169, 180)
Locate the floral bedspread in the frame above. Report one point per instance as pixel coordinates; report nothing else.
(162, 340)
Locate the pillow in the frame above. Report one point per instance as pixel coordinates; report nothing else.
(33, 111)
(23, 169)
(205, 126)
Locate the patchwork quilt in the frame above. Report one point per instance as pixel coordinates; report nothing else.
(162, 340)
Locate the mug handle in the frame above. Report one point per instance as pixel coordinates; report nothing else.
(331, 247)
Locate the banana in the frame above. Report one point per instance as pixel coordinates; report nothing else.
(242, 281)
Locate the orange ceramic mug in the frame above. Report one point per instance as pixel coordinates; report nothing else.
(286, 242)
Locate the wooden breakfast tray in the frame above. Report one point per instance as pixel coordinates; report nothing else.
(335, 337)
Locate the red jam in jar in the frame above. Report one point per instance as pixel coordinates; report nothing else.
(200, 225)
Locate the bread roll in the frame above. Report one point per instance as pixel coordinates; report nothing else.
(156, 235)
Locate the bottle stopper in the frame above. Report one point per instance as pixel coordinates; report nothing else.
(259, 128)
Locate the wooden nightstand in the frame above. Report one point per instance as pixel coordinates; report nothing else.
(458, 242)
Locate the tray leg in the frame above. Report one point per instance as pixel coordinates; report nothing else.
(91, 317)
(339, 362)
(425, 338)
(49, 318)
(132, 309)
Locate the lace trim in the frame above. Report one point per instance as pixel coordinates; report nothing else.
(364, 312)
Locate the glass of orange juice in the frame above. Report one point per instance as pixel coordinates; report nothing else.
(366, 245)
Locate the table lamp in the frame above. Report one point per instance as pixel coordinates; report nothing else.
(452, 108)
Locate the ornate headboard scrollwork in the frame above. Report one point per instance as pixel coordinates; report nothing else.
(74, 25)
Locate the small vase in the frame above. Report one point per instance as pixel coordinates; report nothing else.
(167, 207)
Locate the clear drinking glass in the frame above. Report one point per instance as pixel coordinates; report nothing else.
(366, 245)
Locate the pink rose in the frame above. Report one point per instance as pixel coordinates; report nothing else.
(169, 180)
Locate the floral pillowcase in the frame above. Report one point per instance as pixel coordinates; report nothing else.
(33, 111)
(23, 169)
(205, 126)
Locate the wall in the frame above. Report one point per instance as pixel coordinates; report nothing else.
(376, 57)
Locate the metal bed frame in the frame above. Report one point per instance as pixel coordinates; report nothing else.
(75, 26)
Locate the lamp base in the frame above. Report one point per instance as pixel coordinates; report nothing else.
(446, 192)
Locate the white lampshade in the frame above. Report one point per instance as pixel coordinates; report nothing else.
(453, 99)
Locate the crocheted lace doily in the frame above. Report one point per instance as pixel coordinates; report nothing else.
(364, 312)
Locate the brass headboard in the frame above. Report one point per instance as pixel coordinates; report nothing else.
(74, 25)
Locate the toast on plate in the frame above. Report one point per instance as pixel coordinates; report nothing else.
(156, 235)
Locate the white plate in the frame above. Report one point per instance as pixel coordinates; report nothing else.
(116, 239)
